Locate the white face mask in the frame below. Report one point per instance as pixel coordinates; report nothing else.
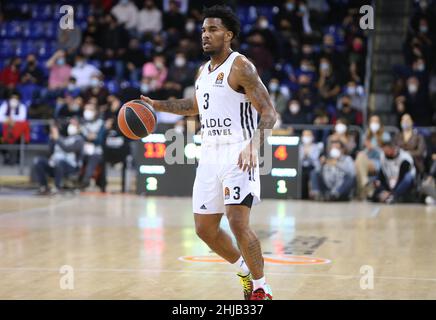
(294, 108)
(145, 88)
(307, 140)
(263, 24)
(95, 82)
(75, 107)
(335, 153)
(273, 86)
(88, 115)
(190, 26)
(72, 130)
(413, 88)
(180, 62)
(340, 128)
(14, 103)
(351, 90)
(325, 66)
(374, 127)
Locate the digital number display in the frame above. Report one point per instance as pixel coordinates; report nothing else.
(156, 176)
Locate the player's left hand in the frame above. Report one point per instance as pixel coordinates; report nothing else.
(248, 158)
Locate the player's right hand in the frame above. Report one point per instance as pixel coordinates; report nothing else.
(147, 100)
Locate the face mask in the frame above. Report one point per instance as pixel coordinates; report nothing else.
(307, 139)
(294, 108)
(13, 103)
(145, 88)
(94, 83)
(273, 86)
(72, 130)
(75, 107)
(159, 65)
(71, 86)
(357, 46)
(80, 64)
(60, 61)
(190, 26)
(325, 66)
(305, 67)
(423, 29)
(124, 2)
(351, 91)
(340, 128)
(420, 67)
(405, 125)
(335, 153)
(374, 127)
(413, 88)
(179, 62)
(89, 115)
(263, 24)
(290, 6)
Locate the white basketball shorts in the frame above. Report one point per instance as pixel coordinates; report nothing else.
(219, 181)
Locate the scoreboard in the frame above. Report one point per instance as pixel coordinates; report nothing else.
(167, 167)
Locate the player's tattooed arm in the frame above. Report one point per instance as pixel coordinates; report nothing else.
(248, 78)
(184, 107)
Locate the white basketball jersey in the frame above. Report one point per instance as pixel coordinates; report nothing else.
(226, 115)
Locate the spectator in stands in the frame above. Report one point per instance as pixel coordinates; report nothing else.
(93, 131)
(65, 159)
(294, 114)
(89, 48)
(13, 110)
(280, 101)
(368, 160)
(126, 13)
(356, 94)
(149, 20)
(156, 71)
(328, 85)
(59, 72)
(10, 75)
(309, 154)
(114, 40)
(69, 107)
(132, 60)
(180, 75)
(69, 40)
(428, 186)
(96, 90)
(32, 73)
(396, 177)
(335, 180)
(83, 72)
(342, 134)
(13, 116)
(261, 55)
(415, 101)
(348, 112)
(412, 141)
(173, 20)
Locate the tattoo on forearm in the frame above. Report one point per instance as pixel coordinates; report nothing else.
(179, 106)
(264, 128)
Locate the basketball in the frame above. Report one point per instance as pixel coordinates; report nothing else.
(136, 119)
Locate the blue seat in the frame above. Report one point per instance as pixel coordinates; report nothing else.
(112, 86)
(38, 134)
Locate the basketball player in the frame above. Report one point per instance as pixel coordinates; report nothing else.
(229, 96)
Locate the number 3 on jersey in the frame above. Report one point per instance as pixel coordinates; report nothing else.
(206, 101)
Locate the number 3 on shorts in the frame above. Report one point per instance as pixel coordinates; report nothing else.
(237, 195)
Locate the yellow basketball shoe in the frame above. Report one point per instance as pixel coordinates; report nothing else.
(247, 284)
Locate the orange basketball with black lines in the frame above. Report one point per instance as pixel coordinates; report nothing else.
(136, 119)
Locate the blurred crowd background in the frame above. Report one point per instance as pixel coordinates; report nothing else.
(310, 54)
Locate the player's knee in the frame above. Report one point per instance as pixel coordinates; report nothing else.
(239, 228)
(205, 233)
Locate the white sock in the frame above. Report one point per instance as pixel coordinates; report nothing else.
(259, 283)
(241, 266)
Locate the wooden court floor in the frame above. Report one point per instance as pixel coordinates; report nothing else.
(114, 246)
